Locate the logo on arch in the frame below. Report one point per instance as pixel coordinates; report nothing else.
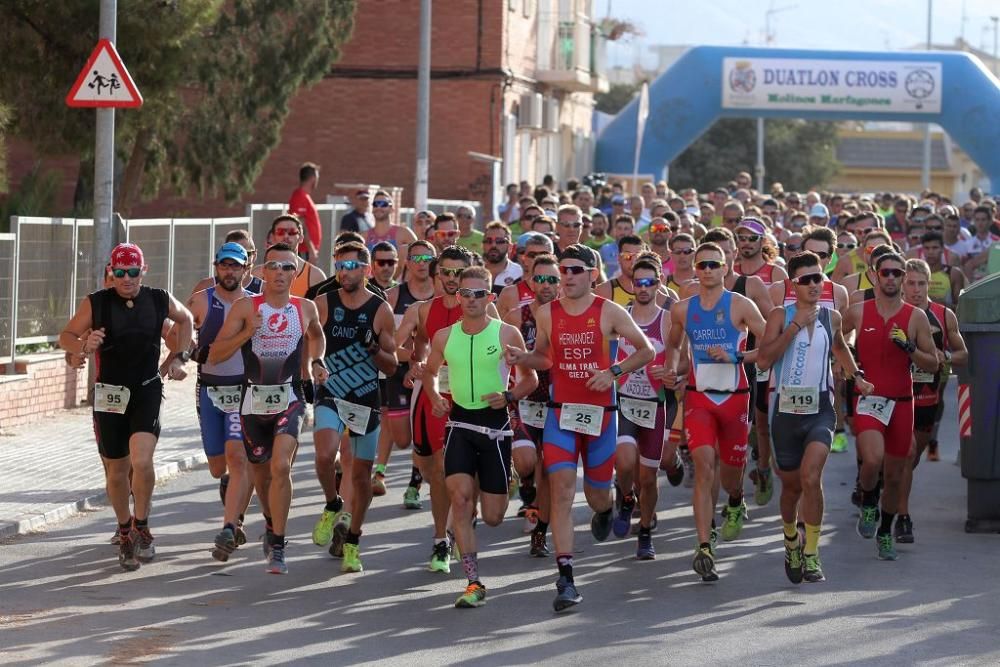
(277, 322)
(742, 78)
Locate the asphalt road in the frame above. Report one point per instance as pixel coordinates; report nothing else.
(64, 599)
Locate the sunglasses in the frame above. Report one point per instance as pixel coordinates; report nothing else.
(545, 280)
(617, 202)
(809, 279)
(658, 229)
(573, 225)
(683, 251)
(847, 246)
(627, 256)
(471, 293)
(422, 259)
(496, 241)
(646, 282)
(793, 247)
(452, 272)
(445, 234)
(381, 203)
(386, 262)
(708, 265)
(748, 238)
(529, 218)
(532, 255)
(866, 231)
(132, 273)
(350, 264)
(286, 232)
(891, 273)
(821, 254)
(573, 270)
(934, 228)
(275, 265)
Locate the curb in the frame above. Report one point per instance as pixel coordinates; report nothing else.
(40, 522)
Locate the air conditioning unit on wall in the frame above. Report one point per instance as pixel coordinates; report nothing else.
(551, 120)
(530, 113)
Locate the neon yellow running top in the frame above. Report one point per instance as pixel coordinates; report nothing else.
(476, 365)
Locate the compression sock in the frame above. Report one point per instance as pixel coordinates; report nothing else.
(470, 563)
(812, 539)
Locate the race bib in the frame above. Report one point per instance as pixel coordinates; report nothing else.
(921, 376)
(639, 412)
(226, 399)
(533, 413)
(581, 418)
(353, 415)
(444, 386)
(716, 377)
(798, 400)
(877, 407)
(268, 399)
(111, 398)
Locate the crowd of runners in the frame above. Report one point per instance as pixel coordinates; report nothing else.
(714, 337)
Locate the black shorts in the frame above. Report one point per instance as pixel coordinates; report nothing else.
(142, 415)
(476, 454)
(924, 417)
(396, 398)
(259, 431)
(791, 433)
(762, 391)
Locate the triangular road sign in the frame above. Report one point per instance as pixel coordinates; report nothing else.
(104, 81)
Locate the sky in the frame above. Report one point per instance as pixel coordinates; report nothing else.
(855, 25)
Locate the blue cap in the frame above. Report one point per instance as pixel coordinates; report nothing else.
(232, 250)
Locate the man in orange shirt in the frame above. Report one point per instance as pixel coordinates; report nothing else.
(301, 205)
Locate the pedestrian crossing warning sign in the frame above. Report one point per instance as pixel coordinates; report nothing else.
(104, 81)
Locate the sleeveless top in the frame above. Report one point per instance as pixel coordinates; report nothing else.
(926, 393)
(255, 286)
(578, 346)
(806, 361)
(230, 371)
(865, 282)
(353, 375)
(477, 365)
(130, 353)
(372, 238)
(939, 286)
(440, 316)
(524, 293)
(300, 284)
(827, 298)
(274, 354)
(714, 328)
(620, 295)
(765, 273)
(529, 329)
(639, 383)
(885, 365)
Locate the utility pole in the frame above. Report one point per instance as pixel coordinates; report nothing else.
(925, 171)
(104, 160)
(995, 19)
(768, 38)
(423, 106)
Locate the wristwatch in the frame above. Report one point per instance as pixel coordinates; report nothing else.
(184, 356)
(509, 397)
(616, 370)
(858, 374)
(947, 355)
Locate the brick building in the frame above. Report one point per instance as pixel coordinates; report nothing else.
(512, 79)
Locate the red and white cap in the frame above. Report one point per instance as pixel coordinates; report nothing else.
(127, 254)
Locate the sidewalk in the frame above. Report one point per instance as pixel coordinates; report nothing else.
(52, 470)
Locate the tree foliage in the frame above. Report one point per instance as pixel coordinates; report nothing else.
(616, 98)
(217, 79)
(799, 154)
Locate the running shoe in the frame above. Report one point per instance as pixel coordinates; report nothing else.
(763, 486)
(868, 521)
(240, 534)
(378, 484)
(276, 561)
(734, 517)
(932, 451)
(600, 524)
(688, 468)
(903, 530)
(793, 562)
(128, 545)
(352, 559)
(411, 499)
(566, 595)
(145, 551)
(530, 518)
(440, 562)
(340, 534)
(539, 548)
(623, 518)
(885, 548)
(704, 564)
(323, 530)
(713, 540)
(812, 570)
(839, 444)
(474, 596)
(675, 472)
(644, 549)
(265, 544)
(225, 545)
(116, 539)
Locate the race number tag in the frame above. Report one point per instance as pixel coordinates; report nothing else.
(921, 376)
(716, 377)
(111, 398)
(268, 399)
(877, 407)
(533, 413)
(353, 415)
(444, 386)
(639, 412)
(226, 399)
(581, 418)
(798, 400)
